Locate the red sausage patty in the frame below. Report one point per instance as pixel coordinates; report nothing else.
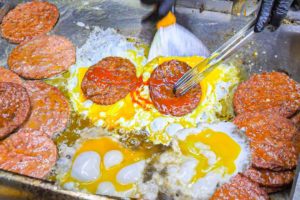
(29, 20)
(50, 108)
(42, 57)
(109, 81)
(161, 85)
(240, 188)
(29, 153)
(274, 92)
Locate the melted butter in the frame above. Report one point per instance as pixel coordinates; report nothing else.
(60, 81)
(71, 134)
(224, 147)
(102, 146)
(77, 122)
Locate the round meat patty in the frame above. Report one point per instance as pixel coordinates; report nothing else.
(109, 81)
(9, 76)
(277, 156)
(240, 188)
(268, 178)
(42, 57)
(29, 20)
(274, 92)
(50, 109)
(296, 142)
(263, 124)
(161, 84)
(28, 153)
(14, 107)
(296, 120)
(270, 139)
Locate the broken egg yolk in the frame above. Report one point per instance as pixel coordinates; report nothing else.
(226, 151)
(113, 158)
(137, 112)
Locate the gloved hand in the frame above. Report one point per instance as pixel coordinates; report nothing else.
(161, 10)
(272, 12)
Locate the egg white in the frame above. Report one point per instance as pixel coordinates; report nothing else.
(132, 113)
(87, 167)
(112, 158)
(174, 171)
(82, 166)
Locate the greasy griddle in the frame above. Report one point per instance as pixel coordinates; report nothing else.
(277, 51)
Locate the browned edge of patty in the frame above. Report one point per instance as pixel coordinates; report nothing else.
(296, 140)
(7, 75)
(271, 190)
(14, 107)
(268, 178)
(240, 188)
(296, 119)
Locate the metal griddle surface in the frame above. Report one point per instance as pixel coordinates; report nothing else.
(275, 51)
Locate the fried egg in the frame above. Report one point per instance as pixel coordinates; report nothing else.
(198, 160)
(102, 165)
(136, 111)
(201, 159)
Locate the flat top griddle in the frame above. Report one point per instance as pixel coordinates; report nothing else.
(265, 52)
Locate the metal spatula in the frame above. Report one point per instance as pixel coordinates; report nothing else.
(196, 74)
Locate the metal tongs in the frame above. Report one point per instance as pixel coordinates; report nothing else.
(196, 74)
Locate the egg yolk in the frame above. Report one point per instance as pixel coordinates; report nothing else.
(102, 146)
(137, 112)
(111, 113)
(124, 108)
(223, 146)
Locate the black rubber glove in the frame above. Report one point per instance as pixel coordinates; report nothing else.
(272, 12)
(161, 10)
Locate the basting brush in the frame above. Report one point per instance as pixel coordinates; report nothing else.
(172, 39)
